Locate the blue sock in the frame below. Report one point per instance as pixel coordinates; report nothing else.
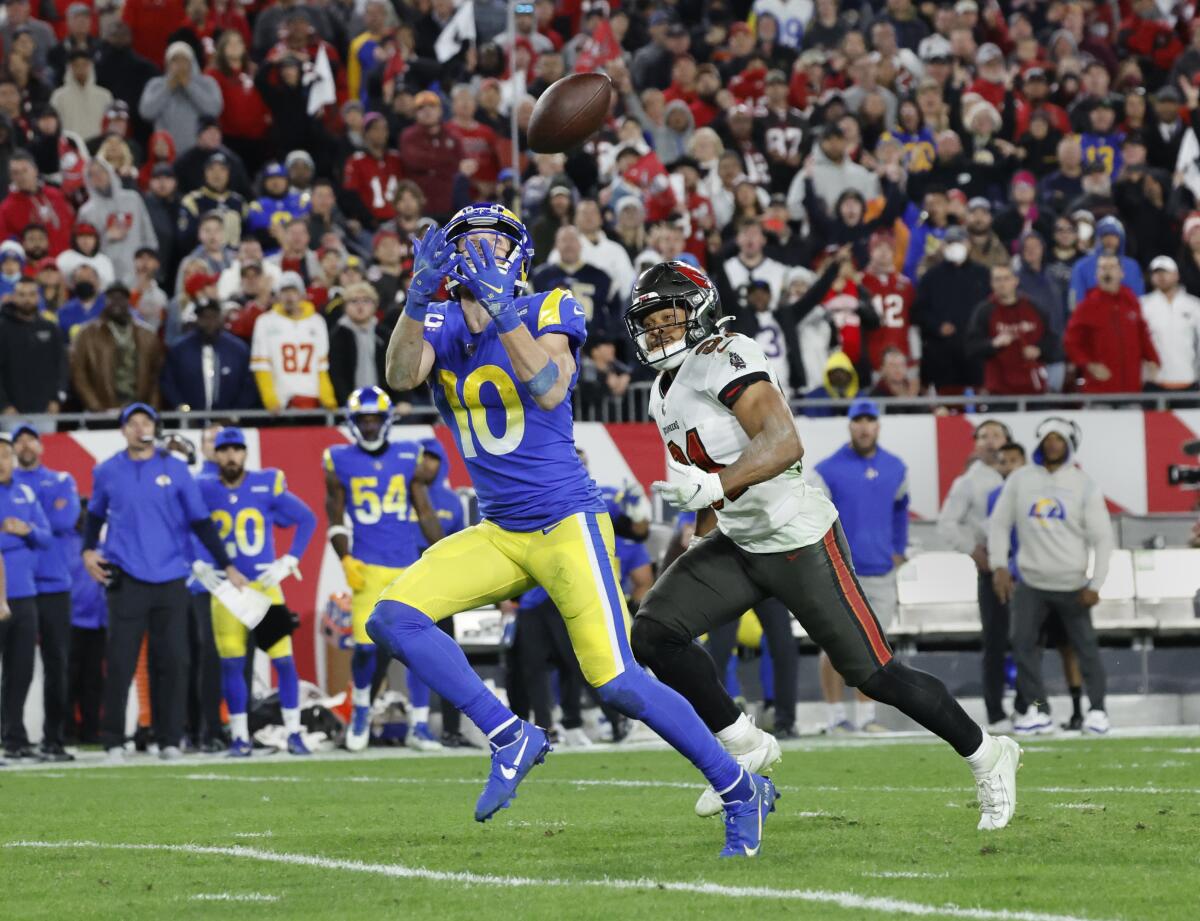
(766, 672)
(733, 687)
(418, 690)
(362, 666)
(637, 695)
(407, 634)
(233, 683)
(289, 682)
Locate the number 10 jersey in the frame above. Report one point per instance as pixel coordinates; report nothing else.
(696, 420)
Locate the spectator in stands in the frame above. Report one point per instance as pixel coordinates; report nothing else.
(212, 248)
(24, 533)
(115, 361)
(122, 214)
(1065, 184)
(80, 101)
(962, 526)
(598, 250)
(214, 197)
(1107, 338)
(52, 287)
(85, 250)
(178, 100)
(79, 37)
(209, 368)
(556, 213)
(928, 234)
(252, 298)
(770, 329)
(1060, 519)
(372, 174)
(840, 382)
(86, 303)
(895, 380)
(748, 263)
(603, 379)
(833, 172)
(946, 295)
(295, 254)
(1110, 240)
(33, 360)
(1011, 338)
(356, 346)
(591, 285)
(245, 118)
(29, 199)
(249, 252)
(431, 155)
(148, 300)
(869, 487)
(21, 21)
(985, 245)
(192, 167)
(162, 204)
(275, 207)
(289, 352)
(1173, 318)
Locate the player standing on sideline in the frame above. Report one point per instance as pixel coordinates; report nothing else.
(378, 479)
(734, 448)
(505, 367)
(246, 506)
(59, 498)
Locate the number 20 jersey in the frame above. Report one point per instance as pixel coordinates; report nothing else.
(696, 420)
(376, 488)
(521, 457)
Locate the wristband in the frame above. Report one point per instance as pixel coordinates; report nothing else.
(338, 530)
(507, 319)
(543, 382)
(415, 306)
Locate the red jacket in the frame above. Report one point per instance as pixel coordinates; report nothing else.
(245, 115)
(1006, 370)
(1109, 329)
(431, 161)
(152, 22)
(47, 207)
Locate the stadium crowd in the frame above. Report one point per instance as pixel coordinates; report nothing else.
(895, 197)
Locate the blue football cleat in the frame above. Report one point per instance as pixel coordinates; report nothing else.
(422, 739)
(510, 764)
(296, 744)
(239, 748)
(744, 820)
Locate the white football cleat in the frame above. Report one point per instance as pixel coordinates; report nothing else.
(576, 738)
(1096, 723)
(1033, 722)
(358, 733)
(115, 755)
(997, 789)
(759, 760)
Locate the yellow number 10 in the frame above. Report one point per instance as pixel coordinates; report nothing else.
(471, 416)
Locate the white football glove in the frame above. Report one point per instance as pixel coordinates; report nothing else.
(692, 490)
(634, 502)
(207, 576)
(273, 573)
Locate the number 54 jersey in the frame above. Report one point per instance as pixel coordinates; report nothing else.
(521, 457)
(695, 417)
(376, 488)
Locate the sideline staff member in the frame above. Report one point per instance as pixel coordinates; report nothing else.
(152, 506)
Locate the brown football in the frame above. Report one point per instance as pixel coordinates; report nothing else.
(569, 112)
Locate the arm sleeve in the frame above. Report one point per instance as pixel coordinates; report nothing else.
(1000, 525)
(979, 344)
(154, 99)
(900, 518)
(1097, 529)
(290, 510)
(206, 533)
(952, 515)
(1149, 352)
(190, 497)
(1074, 339)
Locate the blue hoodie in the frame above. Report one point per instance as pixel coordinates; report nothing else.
(59, 499)
(1083, 275)
(17, 500)
(871, 496)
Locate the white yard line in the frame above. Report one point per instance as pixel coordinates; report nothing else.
(906, 874)
(851, 900)
(1085, 806)
(233, 897)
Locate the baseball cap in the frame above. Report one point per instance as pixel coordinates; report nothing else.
(26, 429)
(979, 202)
(298, 156)
(79, 9)
(197, 283)
(776, 76)
(1024, 177)
(206, 303)
(934, 48)
(382, 234)
(1157, 264)
(274, 170)
(250, 266)
(427, 98)
(864, 407)
(371, 117)
(216, 158)
(559, 190)
(134, 408)
(1169, 94)
(146, 251)
(988, 53)
(230, 437)
(84, 229)
(1035, 73)
(675, 30)
(162, 169)
(739, 28)
(291, 280)
(955, 234)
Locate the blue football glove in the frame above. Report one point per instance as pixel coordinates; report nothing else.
(433, 258)
(491, 283)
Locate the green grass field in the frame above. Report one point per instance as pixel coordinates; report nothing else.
(1105, 829)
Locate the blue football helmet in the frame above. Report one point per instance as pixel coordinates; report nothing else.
(369, 401)
(496, 222)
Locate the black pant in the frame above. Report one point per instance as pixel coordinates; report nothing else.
(451, 718)
(776, 622)
(204, 673)
(18, 643)
(133, 608)
(54, 637)
(543, 641)
(85, 682)
(1031, 608)
(993, 615)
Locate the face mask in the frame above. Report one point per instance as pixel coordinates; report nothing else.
(956, 253)
(1085, 231)
(85, 290)
(11, 278)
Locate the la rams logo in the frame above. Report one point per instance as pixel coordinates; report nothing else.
(1048, 509)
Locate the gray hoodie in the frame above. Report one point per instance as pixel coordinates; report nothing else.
(118, 207)
(178, 111)
(962, 523)
(669, 145)
(1059, 517)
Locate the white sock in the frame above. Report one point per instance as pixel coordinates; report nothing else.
(291, 719)
(739, 737)
(984, 758)
(499, 729)
(239, 726)
(420, 715)
(361, 697)
(866, 711)
(837, 713)
(741, 774)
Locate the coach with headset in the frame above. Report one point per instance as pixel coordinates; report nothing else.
(152, 506)
(1060, 515)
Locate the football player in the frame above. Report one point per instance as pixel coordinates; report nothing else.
(503, 367)
(376, 481)
(733, 448)
(246, 506)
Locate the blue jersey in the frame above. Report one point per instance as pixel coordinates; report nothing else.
(521, 457)
(919, 152)
(59, 498)
(376, 487)
(247, 515)
(1103, 147)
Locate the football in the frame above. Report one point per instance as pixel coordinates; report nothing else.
(569, 112)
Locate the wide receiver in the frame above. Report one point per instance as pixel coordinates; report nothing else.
(734, 448)
(503, 368)
(381, 483)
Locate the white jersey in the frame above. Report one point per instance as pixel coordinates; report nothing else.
(740, 275)
(696, 420)
(295, 352)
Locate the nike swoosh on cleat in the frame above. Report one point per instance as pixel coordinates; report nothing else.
(510, 773)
